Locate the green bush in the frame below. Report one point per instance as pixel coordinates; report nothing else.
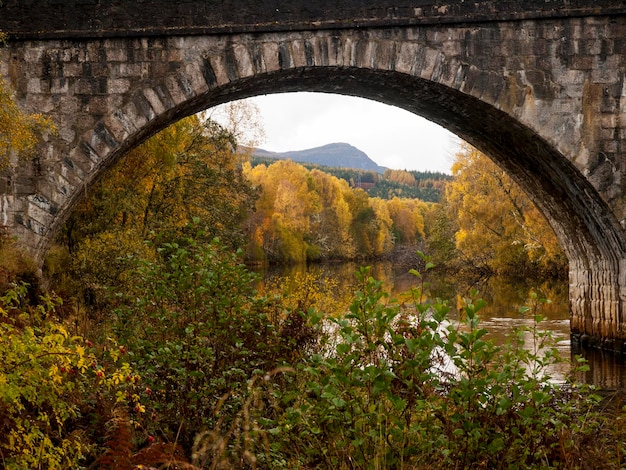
(201, 336)
(238, 380)
(398, 388)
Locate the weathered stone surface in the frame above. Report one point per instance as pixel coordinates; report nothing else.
(542, 91)
(125, 18)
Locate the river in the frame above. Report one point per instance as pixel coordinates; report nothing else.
(499, 317)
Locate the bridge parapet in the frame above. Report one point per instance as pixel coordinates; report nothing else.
(75, 19)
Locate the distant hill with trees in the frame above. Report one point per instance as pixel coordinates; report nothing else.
(338, 155)
(354, 166)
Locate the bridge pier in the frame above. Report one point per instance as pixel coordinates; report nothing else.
(597, 302)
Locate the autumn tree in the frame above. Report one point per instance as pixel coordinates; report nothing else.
(190, 171)
(370, 225)
(18, 130)
(330, 229)
(439, 233)
(408, 219)
(310, 215)
(499, 228)
(19, 133)
(381, 228)
(283, 211)
(400, 176)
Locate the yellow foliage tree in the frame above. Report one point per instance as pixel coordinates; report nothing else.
(188, 172)
(287, 202)
(400, 176)
(499, 228)
(309, 215)
(381, 227)
(330, 230)
(408, 219)
(18, 130)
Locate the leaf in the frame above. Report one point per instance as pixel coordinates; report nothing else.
(343, 348)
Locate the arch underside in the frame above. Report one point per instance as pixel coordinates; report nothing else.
(584, 224)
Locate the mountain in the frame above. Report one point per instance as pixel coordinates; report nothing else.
(336, 155)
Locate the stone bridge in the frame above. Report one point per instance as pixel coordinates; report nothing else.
(538, 85)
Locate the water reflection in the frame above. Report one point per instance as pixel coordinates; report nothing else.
(500, 317)
(606, 370)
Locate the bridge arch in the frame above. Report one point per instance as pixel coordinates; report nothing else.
(573, 207)
(108, 95)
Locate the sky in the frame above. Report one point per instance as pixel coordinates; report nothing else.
(392, 137)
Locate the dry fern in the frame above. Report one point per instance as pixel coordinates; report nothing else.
(118, 443)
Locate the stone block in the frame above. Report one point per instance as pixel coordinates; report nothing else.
(118, 86)
(115, 53)
(608, 121)
(243, 61)
(270, 56)
(407, 57)
(155, 103)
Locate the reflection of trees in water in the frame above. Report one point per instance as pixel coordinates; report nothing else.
(504, 297)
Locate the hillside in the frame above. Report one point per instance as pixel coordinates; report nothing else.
(339, 155)
(351, 164)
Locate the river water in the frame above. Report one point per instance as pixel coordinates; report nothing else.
(503, 313)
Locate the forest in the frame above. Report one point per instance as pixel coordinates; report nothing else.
(283, 212)
(145, 345)
(423, 185)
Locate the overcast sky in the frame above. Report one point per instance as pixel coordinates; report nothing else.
(390, 136)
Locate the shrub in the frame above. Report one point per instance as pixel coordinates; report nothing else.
(238, 380)
(398, 388)
(200, 335)
(49, 382)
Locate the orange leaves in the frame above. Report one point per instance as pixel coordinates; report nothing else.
(408, 219)
(302, 214)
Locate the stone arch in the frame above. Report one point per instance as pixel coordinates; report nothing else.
(521, 117)
(583, 222)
